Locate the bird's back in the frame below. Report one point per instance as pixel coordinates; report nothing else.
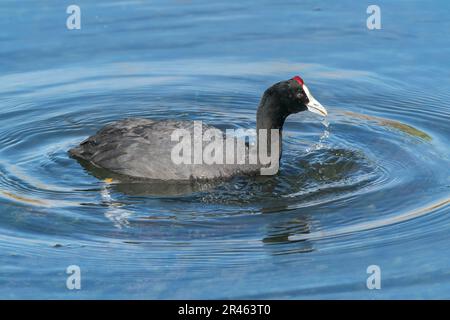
(142, 148)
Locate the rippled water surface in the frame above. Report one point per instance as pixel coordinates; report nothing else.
(369, 185)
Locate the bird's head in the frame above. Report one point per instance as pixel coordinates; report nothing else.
(294, 96)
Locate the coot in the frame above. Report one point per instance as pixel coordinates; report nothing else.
(143, 148)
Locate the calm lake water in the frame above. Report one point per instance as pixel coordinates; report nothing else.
(369, 185)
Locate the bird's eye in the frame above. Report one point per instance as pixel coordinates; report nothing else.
(300, 95)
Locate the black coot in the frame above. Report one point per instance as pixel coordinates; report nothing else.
(142, 148)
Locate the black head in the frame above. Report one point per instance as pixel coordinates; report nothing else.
(293, 96)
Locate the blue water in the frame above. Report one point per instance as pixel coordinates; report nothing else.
(369, 185)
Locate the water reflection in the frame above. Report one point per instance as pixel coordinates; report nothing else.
(371, 187)
(278, 239)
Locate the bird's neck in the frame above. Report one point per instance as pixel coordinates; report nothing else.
(269, 116)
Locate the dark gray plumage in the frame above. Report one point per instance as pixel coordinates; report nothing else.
(141, 148)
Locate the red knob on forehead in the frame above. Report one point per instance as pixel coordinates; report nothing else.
(299, 80)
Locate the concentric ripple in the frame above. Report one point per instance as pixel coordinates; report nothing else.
(358, 180)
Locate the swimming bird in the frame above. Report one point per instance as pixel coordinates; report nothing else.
(143, 148)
